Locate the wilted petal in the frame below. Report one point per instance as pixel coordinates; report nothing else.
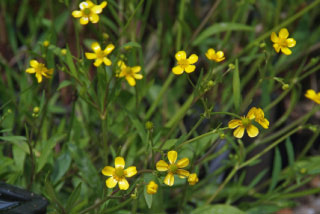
(172, 156)
(180, 55)
(130, 171)
(108, 171)
(162, 166)
(169, 179)
(184, 162)
(252, 131)
(111, 182)
(123, 184)
(119, 162)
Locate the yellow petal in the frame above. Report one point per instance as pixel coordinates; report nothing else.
(210, 54)
(182, 173)
(180, 55)
(177, 70)
(190, 68)
(162, 166)
(98, 9)
(130, 171)
(138, 76)
(39, 77)
(264, 123)
(276, 47)
(152, 188)
(136, 69)
(76, 14)
(123, 184)
(94, 18)
(84, 20)
(169, 179)
(193, 59)
(286, 51)
(119, 162)
(98, 62)
(252, 113)
(107, 61)
(95, 47)
(131, 80)
(109, 49)
(283, 33)
(172, 156)
(108, 171)
(238, 133)
(111, 182)
(252, 131)
(234, 123)
(220, 56)
(31, 70)
(193, 179)
(291, 42)
(310, 94)
(91, 55)
(34, 63)
(184, 162)
(83, 5)
(274, 37)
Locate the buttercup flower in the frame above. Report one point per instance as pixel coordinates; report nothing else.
(100, 55)
(89, 11)
(254, 113)
(130, 73)
(40, 70)
(173, 167)
(312, 95)
(282, 42)
(152, 188)
(215, 56)
(184, 64)
(193, 179)
(118, 174)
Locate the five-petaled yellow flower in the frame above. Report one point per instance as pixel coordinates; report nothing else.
(40, 70)
(100, 55)
(173, 168)
(254, 113)
(193, 179)
(215, 56)
(312, 95)
(282, 42)
(130, 73)
(184, 64)
(119, 174)
(152, 188)
(89, 11)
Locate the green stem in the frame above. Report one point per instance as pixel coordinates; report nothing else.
(112, 209)
(302, 193)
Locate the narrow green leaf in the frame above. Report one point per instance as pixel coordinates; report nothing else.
(73, 198)
(277, 165)
(290, 151)
(257, 179)
(64, 84)
(70, 63)
(236, 88)
(147, 178)
(19, 157)
(217, 209)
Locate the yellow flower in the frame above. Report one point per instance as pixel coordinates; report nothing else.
(63, 51)
(152, 188)
(46, 43)
(254, 113)
(282, 42)
(173, 167)
(193, 179)
(100, 55)
(118, 174)
(184, 64)
(312, 95)
(130, 73)
(215, 56)
(40, 70)
(89, 11)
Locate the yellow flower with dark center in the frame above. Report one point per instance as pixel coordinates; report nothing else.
(312, 95)
(215, 56)
(282, 42)
(118, 174)
(89, 11)
(100, 55)
(130, 73)
(40, 70)
(152, 188)
(254, 113)
(193, 179)
(184, 64)
(173, 168)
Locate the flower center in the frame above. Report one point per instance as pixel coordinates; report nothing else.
(283, 42)
(173, 168)
(40, 67)
(245, 121)
(100, 54)
(183, 63)
(87, 11)
(119, 172)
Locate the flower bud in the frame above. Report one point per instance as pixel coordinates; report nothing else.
(193, 179)
(152, 188)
